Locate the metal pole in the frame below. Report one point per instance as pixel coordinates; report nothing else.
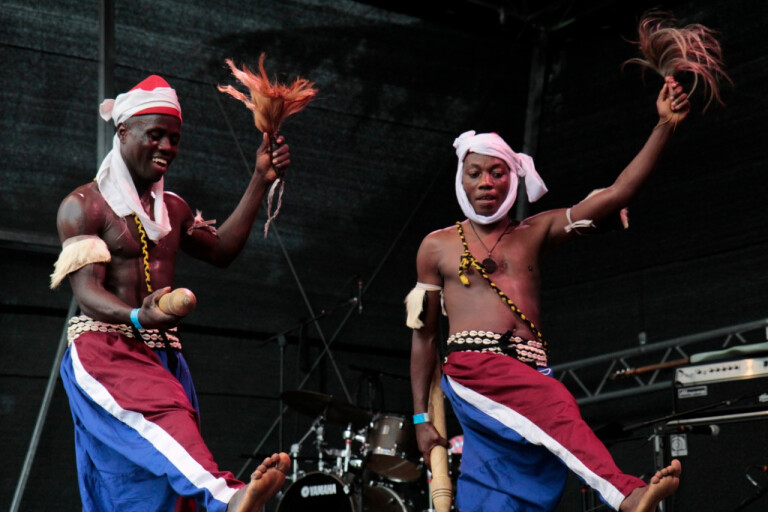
(38, 430)
(533, 113)
(104, 131)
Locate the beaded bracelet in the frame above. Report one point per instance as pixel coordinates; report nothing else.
(421, 418)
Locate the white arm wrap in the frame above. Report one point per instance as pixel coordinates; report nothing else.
(76, 253)
(414, 303)
(586, 223)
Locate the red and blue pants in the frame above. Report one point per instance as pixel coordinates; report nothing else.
(137, 435)
(522, 432)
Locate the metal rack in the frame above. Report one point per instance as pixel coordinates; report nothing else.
(590, 377)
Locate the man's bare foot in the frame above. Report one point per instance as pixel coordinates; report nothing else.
(663, 483)
(265, 482)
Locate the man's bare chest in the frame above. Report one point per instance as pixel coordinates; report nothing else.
(514, 258)
(126, 239)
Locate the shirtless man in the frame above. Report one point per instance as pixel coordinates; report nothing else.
(137, 437)
(522, 428)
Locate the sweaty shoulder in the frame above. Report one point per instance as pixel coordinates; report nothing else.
(82, 212)
(178, 209)
(434, 249)
(172, 198)
(437, 239)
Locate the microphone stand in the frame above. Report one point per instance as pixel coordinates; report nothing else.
(751, 499)
(282, 343)
(760, 492)
(677, 415)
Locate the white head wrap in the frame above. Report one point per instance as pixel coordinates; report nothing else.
(151, 96)
(520, 166)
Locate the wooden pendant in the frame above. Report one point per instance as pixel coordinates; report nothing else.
(489, 265)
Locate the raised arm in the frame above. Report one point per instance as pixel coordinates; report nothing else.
(231, 236)
(672, 106)
(424, 354)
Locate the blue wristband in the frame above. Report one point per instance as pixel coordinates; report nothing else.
(135, 318)
(421, 418)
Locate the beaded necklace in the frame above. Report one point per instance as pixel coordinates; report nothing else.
(144, 251)
(467, 261)
(153, 338)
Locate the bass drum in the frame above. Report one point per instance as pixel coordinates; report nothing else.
(316, 492)
(377, 498)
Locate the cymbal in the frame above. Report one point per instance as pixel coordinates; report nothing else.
(377, 372)
(335, 410)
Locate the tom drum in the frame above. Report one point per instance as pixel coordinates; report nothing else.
(391, 449)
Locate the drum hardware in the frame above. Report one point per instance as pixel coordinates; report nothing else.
(319, 430)
(351, 485)
(347, 447)
(344, 460)
(388, 450)
(456, 444)
(319, 442)
(326, 408)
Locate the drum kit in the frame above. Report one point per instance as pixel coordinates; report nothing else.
(382, 473)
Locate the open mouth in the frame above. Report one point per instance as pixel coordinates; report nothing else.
(162, 163)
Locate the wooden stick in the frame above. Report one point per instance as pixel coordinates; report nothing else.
(179, 302)
(441, 486)
(649, 368)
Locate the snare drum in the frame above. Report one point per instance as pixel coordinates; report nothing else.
(318, 491)
(391, 449)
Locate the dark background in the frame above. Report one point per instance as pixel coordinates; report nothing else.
(372, 173)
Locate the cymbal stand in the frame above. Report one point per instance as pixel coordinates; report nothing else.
(295, 462)
(431, 506)
(761, 490)
(316, 426)
(319, 440)
(347, 446)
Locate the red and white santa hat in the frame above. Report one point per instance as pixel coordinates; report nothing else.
(152, 95)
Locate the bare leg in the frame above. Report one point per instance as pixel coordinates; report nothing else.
(265, 482)
(663, 483)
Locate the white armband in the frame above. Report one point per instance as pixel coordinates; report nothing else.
(586, 223)
(76, 253)
(414, 303)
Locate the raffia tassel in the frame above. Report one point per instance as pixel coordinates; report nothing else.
(270, 102)
(668, 49)
(414, 305)
(200, 223)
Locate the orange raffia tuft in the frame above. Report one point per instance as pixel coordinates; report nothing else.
(271, 103)
(669, 49)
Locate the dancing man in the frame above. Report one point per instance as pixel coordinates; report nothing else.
(522, 428)
(137, 438)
